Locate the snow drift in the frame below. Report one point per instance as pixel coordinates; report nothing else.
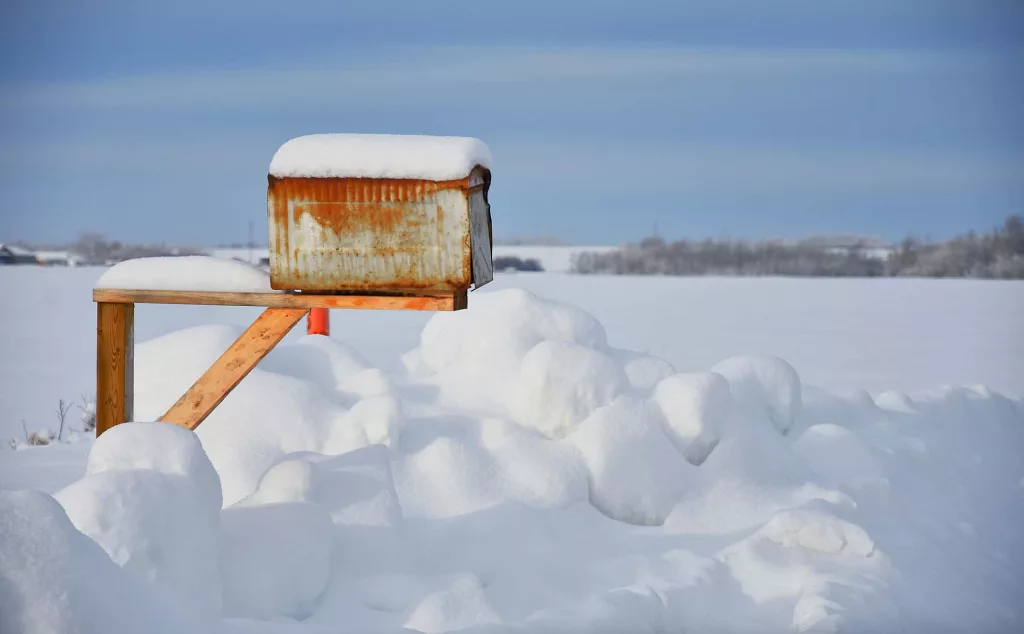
(185, 273)
(523, 475)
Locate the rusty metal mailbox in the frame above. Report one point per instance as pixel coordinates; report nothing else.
(379, 213)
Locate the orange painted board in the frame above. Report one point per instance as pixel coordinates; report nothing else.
(449, 301)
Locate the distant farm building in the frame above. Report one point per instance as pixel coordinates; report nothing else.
(870, 252)
(13, 254)
(57, 258)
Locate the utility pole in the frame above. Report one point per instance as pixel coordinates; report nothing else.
(250, 242)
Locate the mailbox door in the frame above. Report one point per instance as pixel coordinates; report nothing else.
(480, 228)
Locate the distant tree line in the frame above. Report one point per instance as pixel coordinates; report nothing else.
(513, 263)
(997, 254)
(95, 249)
(540, 240)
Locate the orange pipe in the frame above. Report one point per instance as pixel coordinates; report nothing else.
(318, 322)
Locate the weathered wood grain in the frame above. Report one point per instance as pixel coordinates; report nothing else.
(115, 364)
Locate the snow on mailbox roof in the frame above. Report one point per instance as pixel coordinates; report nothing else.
(435, 158)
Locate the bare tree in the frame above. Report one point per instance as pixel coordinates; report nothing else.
(88, 409)
(62, 414)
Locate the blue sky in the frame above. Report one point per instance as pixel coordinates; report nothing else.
(742, 118)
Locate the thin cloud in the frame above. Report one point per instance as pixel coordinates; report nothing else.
(437, 75)
(536, 163)
(757, 168)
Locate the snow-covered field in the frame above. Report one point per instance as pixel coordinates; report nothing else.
(579, 456)
(843, 334)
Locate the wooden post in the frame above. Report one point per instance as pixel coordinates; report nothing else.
(115, 364)
(233, 366)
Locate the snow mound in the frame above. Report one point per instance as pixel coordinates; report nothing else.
(844, 578)
(562, 383)
(185, 273)
(501, 328)
(357, 488)
(819, 532)
(159, 447)
(696, 407)
(373, 420)
(436, 158)
(55, 579)
(151, 499)
(541, 362)
(643, 371)
(531, 469)
(369, 382)
(766, 385)
(450, 467)
(635, 474)
(294, 479)
(275, 558)
(455, 602)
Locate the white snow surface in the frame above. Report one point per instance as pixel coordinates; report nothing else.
(517, 473)
(185, 273)
(435, 158)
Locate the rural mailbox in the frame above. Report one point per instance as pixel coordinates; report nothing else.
(379, 213)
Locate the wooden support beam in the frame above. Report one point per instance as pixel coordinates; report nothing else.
(115, 364)
(427, 300)
(233, 366)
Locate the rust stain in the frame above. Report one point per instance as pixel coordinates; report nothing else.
(378, 219)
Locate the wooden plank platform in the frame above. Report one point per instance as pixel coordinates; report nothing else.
(115, 341)
(428, 301)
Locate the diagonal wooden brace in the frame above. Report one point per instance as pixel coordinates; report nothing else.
(233, 366)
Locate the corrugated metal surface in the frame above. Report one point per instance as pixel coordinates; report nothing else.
(358, 234)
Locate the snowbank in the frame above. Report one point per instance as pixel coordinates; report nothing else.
(636, 476)
(543, 363)
(435, 158)
(185, 273)
(696, 408)
(55, 579)
(521, 475)
(151, 499)
(764, 386)
(561, 383)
